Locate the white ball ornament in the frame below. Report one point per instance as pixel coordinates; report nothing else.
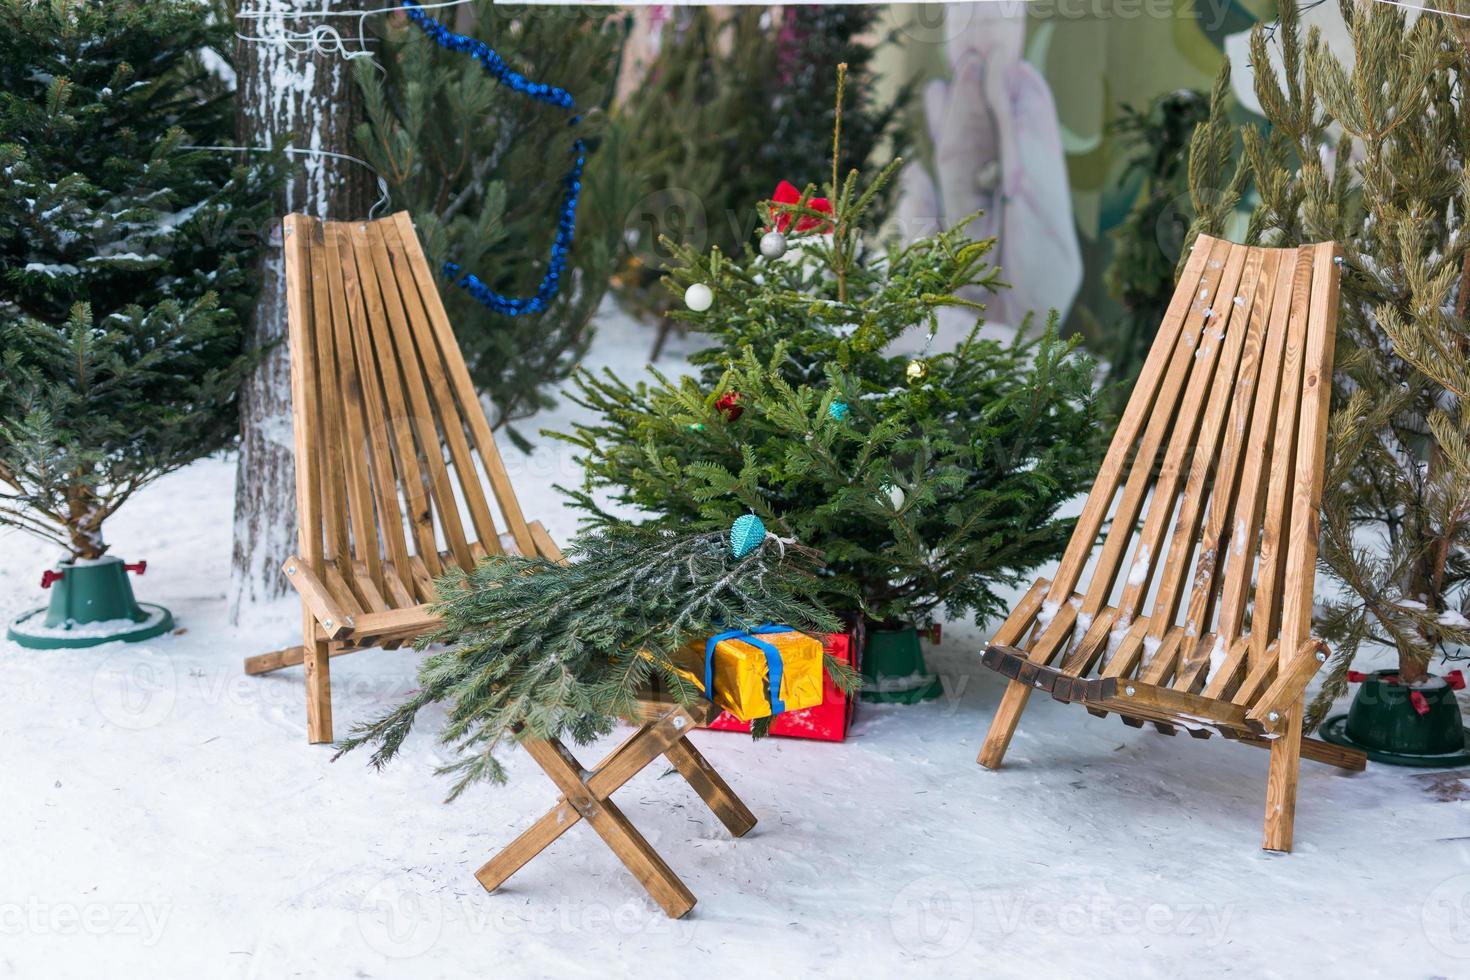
(895, 495)
(773, 245)
(699, 297)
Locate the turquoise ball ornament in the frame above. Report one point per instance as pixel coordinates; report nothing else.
(838, 411)
(746, 535)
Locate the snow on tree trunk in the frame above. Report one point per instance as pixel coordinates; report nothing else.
(308, 100)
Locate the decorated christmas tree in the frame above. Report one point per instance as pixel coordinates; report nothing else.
(1369, 152)
(737, 100)
(127, 258)
(925, 481)
(482, 168)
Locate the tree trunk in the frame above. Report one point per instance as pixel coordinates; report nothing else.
(308, 100)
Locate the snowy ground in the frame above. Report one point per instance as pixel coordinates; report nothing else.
(162, 815)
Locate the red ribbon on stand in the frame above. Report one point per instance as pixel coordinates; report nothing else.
(1455, 679)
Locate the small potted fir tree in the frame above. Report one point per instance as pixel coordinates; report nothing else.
(125, 259)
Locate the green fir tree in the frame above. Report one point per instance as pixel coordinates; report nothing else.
(1146, 247)
(126, 258)
(480, 168)
(738, 100)
(1371, 152)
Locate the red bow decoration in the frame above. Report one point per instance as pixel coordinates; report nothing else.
(786, 193)
(729, 405)
(1455, 679)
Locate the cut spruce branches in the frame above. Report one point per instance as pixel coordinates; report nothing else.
(545, 650)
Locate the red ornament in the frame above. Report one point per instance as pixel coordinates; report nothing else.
(729, 405)
(786, 193)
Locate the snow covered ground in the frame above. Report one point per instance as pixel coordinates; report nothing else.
(163, 816)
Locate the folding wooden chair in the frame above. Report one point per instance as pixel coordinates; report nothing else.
(1224, 436)
(391, 444)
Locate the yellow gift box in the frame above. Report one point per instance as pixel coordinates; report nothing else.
(739, 665)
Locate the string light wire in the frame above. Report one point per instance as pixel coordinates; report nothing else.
(383, 196)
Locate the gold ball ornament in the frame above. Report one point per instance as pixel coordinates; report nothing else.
(917, 370)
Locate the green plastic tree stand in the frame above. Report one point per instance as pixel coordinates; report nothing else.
(894, 671)
(91, 603)
(1383, 723)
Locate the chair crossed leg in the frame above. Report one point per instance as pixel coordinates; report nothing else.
(588, 796)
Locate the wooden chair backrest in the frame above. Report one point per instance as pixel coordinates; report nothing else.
(1223, 436)
(388, 426)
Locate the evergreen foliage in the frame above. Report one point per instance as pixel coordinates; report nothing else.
(919, 491)
(127, 259)
(1371, 153)
(1141, 274)
(480, 168)
(738, 100)
(543, 650)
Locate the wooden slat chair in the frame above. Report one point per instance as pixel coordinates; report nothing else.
(388, 434)
(1224, 440)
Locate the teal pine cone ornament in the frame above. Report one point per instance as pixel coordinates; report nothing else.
(746, 535)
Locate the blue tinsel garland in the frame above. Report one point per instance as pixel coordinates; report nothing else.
(566, 226)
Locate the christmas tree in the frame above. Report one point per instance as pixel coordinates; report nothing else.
(1370, 153)
(127, 258)
(1148, 244)
(923, 480)
(481, 169)
(542, 650)
(751, 96)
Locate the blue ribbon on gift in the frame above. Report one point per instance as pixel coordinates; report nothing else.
(773, 660)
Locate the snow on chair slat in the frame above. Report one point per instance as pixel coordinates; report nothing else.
(1211, 487)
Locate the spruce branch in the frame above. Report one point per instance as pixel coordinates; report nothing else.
(539, 649)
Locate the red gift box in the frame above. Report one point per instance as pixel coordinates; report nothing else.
(828, 721)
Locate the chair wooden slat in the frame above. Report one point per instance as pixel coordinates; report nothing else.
(424, 425)
(354, 451)
(1250, 503)
(1271, 571)
(1148, 552)
(376, 421)
(464, 390)
(1224, 495)
(418, 512)
(1159, 373)
(1219, 458)
(1229, 331)
(436, 374)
